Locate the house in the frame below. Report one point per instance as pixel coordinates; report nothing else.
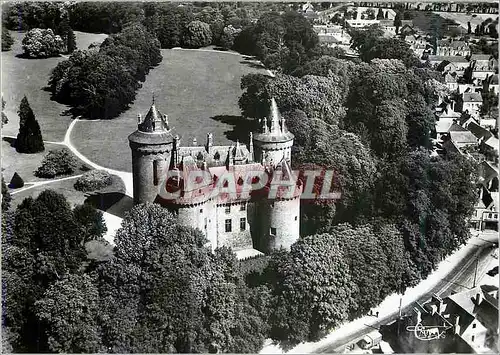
(388, 26)
(483, 135)
(418, 44)
(452, 63)
(451, 82)
(482, 61)
(452, 48)
(479, 76)
(407, 27)
(361, 23)
(471, 102)
(464, 322)
(461, 136)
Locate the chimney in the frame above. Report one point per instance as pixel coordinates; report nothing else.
(139, 118)
(195, 142)
(251, 147)
(456, 325)
(210, 143)
(438, 301)
(478, 298)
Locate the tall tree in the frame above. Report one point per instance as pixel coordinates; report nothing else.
(312, 291)
(5, 119)
(7, 40)
(29, 139)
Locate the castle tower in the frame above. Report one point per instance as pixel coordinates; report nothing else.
(151, 145)
(279, 214)
(274, 144)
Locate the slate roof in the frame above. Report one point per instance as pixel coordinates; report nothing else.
(449, 58)
(480, 57)
(479, 132)
(472, 97)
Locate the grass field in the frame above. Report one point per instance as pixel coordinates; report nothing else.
(191, 87)
(73, 196)
(462, 18)
(26, 164)
(29, 77)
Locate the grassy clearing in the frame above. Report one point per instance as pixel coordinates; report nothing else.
(26, 164)
(73, 196)
(191, 87)
(29, 77)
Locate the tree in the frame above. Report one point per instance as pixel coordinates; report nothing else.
(312, 291)
(70, 41)
(39, 43)
(29, 139)
(7, 40)
(229, 33)
(44, 245)
(16, 182)
(5, 119)
(366, 260)
(74, 298)
(380, 14)
(397, 21)
(469, 29)
(254, 102)
(6, 197)
(92, 222)
(162, 273)
(57, 162)
(197, 34)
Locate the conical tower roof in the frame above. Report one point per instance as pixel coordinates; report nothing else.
(153, 129)
(278, 131)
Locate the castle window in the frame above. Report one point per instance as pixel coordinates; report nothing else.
(472, 338)
(273, 231)
(243, 207)
(240, 181)
(201, 210)
(228, 209)
(155, 172)
(243, 224)
(295, 217)
(216, 156)
(473, 325)
(228, 225)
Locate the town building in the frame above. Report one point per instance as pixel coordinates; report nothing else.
(452, 48)
(212, 187)
(450, 64)
(470, 102)
(464, 322)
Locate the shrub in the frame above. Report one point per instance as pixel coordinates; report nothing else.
(6, 197)
(57, 162)
(16, 182)
(93, 180)
(39, 43)
(7, 40)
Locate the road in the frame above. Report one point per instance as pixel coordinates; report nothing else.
(461, 275)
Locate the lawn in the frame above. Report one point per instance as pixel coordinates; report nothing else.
(26, 164)
(105, 196)
(462, 18)
(29, 77)
(425, 21)
(194, 88)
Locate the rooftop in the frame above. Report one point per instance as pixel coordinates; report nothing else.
(449, 58)
(472, 97)
(480, 57)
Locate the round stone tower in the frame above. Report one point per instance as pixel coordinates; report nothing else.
(151, 145)
(274, 144)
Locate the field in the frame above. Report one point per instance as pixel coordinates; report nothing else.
(26, 164)
(462, 18)
(102, 200)
(197, 89)
(29, 77)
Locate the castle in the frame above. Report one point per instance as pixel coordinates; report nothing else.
(247, 198)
